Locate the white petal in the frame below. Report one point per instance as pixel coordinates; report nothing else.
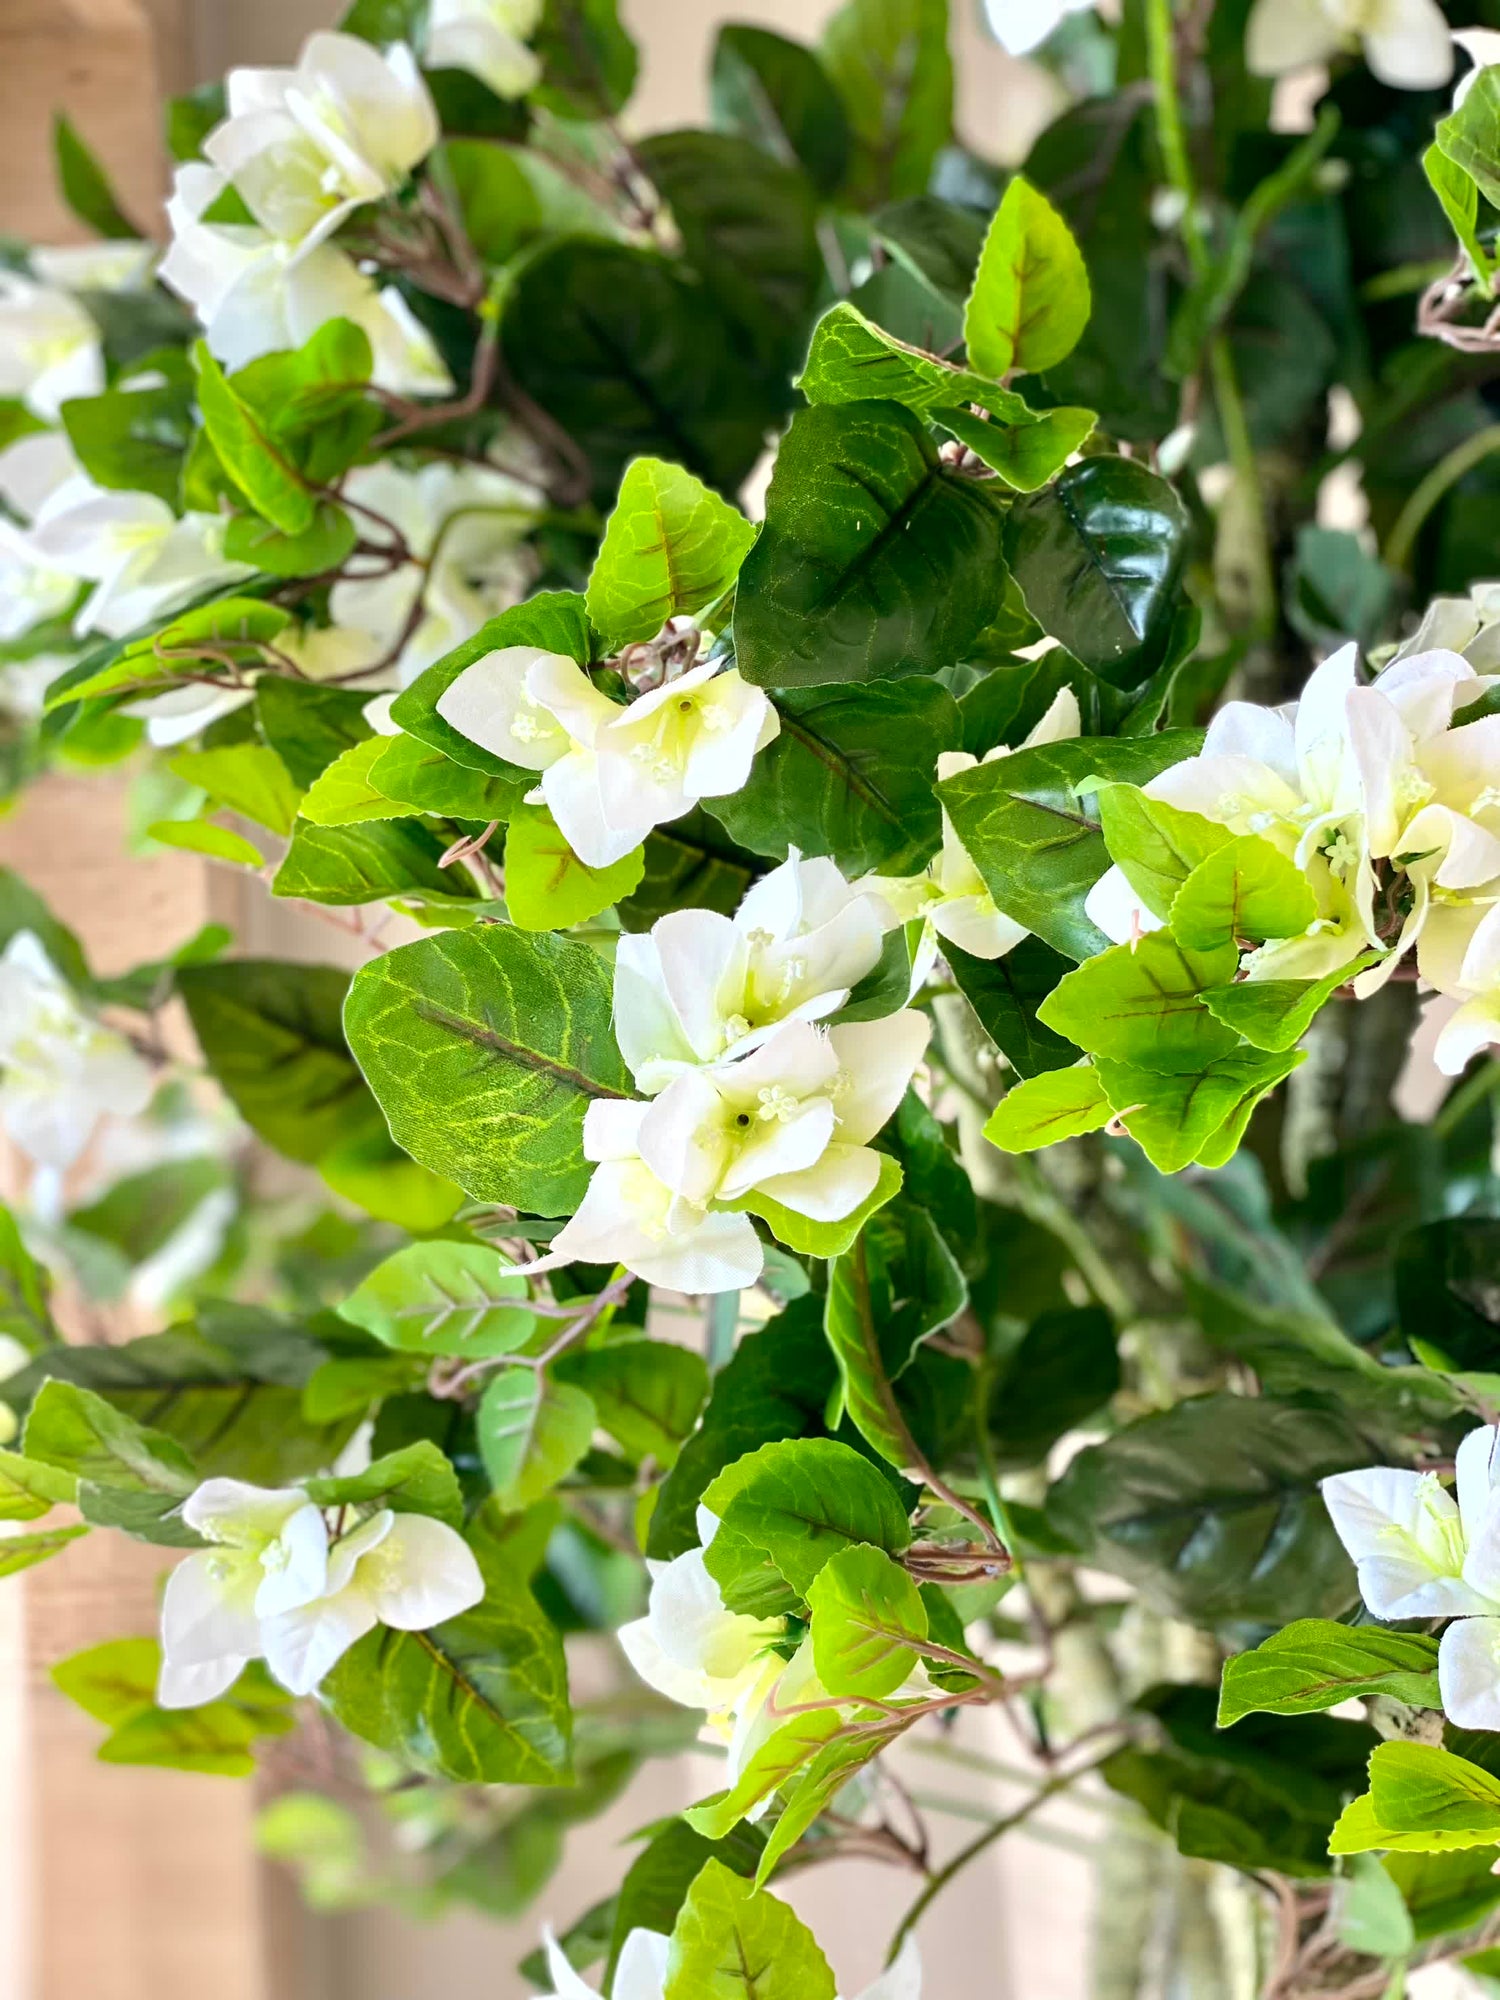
(1407, 44)
(976, 926)
(303, 1546)
(843, 1178)
(302, 1646)
(685, 1685)
(423, 1572)
(181, 1686)
(566, 1984)
(1116, 908)
(901, 1981)
(684, 1138)
(1476, 1475)
(208, 1609)
(642, 1971)
(1469, 1673)
(1472, 1027)
(1404, 1533)
(598, 835)
(233, 1510)
(490, 703)
(879, 1059)
(777, 1146)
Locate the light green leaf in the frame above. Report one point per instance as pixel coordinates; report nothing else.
(1276, 1013)
(427, 780)
(324, 545)
(732, 1942)
(18, 1552)
(1361, 1831)
(868, 1621)
(547, 887)
(1031, 298)
(671, 547)
(1139, 1004)
(246, 778)
(1369, 1914)
(801, 1500)
(1315, 1664)
(1470, 136)
(367, 862)
(444, 1298)
(29, 1488)
(308, 725)
(23, 1286)
(1455, 189)
(418, 1479)
(202, 836)
(129, 1477)
(267, 478)
(485, 1049)
(852, 360)
(1184, 1117)
(1244, 891)
(342, 792)
(532, 1432)
(1157, 845)
(1025, 456)
(1041, 1110)
(774, 1764)
(822, 1239)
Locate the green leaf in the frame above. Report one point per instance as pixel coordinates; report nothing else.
(1024, 821)
(850, 775)
(132, 439)
(1315, 1664)
(18, 1552)
(141, 1213)
(485, 1048)
(657, 1882)
(852, 360)
(342, 793)
(23, 1289)
(129, 1477)
(1455, 189)
(427, 780)
(1470, 136)
(853, 1327)
(1139, 1004)
(1064, 1368)
(1099, 557)
(556, 621)
(735, 1943)
(889, 62)
(874, 560)
(272, 1034)
(1027, 455)
(800, 1500)
(29, 1489)
(85, 187)
(1444, 1892)
(822, 1239)
(267, 478)
(1445, 1294)
(323, 545)
(1360, 1830)
(1276, 1013)
(1041, 1110)
(775, 1385)
(1212, 1508)
(693, 864)
(646, 1393)
(671, 547)
(201, 836)
(480, 1699)
(868, 1620)
(1419, 1788)
(1183, 1117)
(307, 725)
(547, 887)
(418, 1479)
(370, 1169)
(771, 1765)
(1031, 298)
(1005, 994)
(495, 198)
(1369, 1914)
(444, 1298)
(532, 1431)
(826, 1773)
(367, 862)
(1156, 845)
(1245, 890)
(588, 60)
(777, 94)
(111, 1682)
(246, 778)
(657, 374)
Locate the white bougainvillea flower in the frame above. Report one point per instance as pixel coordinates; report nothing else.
(1422, 1552)
(34, 468)
(141, 558)
(117, 265)
(1023, 25)
(951, 897)
(31, 589)
(255, 294)
(488, 39)
(403, 1570)
(50, 351)
(691, 1647)
(610, 772)
(305, 147)
(1482, 47)
(466, 526)
(61, 1071)
(1468, 625)
(1405, 42)
(640, 1974)
(269, 1553)
(699, 987)
(1475, 1024)
(185, 712)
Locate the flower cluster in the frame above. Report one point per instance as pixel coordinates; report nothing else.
(611, 773)
(748, 1101)
(1423, 1552)
(276, 1585)
(1384, 797)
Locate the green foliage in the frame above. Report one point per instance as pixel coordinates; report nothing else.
(732, 1942)
(1031, 299)
(1314, 1664)
(84, 184)
(889, 63)
(532, 1430)
(444, 1298)
(670, 547)
(777, 94)
(547, 887)
(868, 1621)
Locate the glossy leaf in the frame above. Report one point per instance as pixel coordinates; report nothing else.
(1245, 890)
(801, 1500)
(366, 862)
(1139, 1004)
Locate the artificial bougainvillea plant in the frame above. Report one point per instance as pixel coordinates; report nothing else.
(908, 754)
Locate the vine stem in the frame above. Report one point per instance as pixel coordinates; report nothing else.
(1429, 491)
(986, 1837)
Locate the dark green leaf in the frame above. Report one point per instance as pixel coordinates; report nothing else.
(776, 92)
(85, 187)
(889, 63)
(1005, 994)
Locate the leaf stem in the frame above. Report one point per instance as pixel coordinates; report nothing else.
(1452, 467)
